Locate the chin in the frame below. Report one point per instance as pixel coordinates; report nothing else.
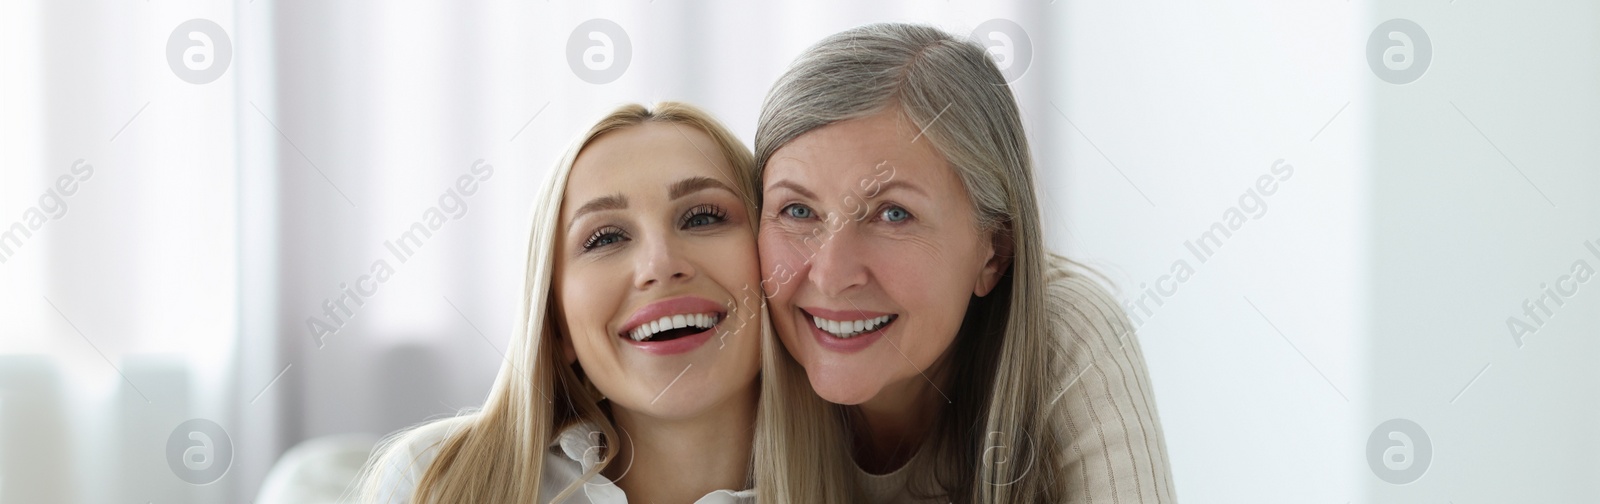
(676, 404)
(841, 388)
(685, 393)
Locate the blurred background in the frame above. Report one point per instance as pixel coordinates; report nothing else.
(194, 197)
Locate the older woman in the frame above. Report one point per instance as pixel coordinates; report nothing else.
(904, 261)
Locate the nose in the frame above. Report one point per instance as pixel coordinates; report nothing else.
(660, 262)
(836, 265)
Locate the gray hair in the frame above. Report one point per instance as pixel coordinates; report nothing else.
(946, 85)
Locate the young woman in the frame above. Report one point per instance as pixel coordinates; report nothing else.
(905, 267)
(632, 372)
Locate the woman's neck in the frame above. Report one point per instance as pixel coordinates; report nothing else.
(682, 460)
(891, 427)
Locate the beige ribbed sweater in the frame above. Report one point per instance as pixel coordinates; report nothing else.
(1117, 454)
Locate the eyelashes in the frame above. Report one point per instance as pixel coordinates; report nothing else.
(796, 210)
(702, 215)
(604, 236)
(697, 217)
(890, 213)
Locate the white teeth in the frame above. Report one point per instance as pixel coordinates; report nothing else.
(850, 328)
(649, 329)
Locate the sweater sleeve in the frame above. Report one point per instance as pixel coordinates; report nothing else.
(1115, 451)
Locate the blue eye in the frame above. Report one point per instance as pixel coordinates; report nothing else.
(894, 214)
(797, 211)
(603, 237)
(703, 215)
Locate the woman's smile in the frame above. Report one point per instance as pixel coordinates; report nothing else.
(673, 326)
(846, 331)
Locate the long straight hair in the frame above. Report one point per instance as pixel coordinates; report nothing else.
(496, 454)
(997, 440)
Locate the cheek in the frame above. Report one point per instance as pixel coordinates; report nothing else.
(781, 263)
(741, 255)
(732, 263)
(587, 303)
(920, 288)
(931, 331)
(935, 292)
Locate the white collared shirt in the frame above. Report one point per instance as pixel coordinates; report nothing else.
(574, 452)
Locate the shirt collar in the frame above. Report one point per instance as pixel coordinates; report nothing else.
(580, 443)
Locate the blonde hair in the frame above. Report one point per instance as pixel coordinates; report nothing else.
(1004, 357)
(496, 454)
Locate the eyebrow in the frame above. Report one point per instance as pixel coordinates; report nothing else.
(882, 188)
(693, 185)
(784, 184)
(900, 184)
(678, 189)
(612, 202)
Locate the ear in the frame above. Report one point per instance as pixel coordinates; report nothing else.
(996, 262)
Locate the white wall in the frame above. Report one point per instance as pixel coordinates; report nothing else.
(1390, 261)
(1258, 359)
(117, 315)
(1462, 236)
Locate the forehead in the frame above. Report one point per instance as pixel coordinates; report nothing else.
(645, 157)
(830, 155)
